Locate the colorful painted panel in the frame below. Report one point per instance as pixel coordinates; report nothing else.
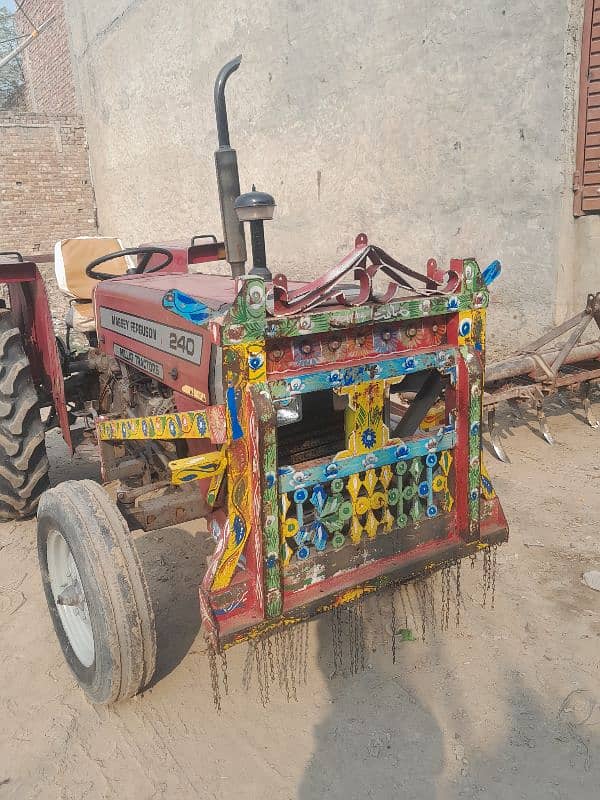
(444, 360)
(206, 424)
(195, 468)
(367, 503)
(291, 478)
(365, 342)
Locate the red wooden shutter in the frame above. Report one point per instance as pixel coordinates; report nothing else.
(586, 183)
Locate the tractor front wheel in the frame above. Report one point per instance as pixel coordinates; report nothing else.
(23, 460)
(96, 591)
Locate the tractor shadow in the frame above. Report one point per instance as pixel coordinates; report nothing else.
(174, 562)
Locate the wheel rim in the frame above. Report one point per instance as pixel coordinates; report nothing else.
(69, 598)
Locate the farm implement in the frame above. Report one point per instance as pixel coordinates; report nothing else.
(329, 433)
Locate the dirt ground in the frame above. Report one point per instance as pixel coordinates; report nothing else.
(508, 706)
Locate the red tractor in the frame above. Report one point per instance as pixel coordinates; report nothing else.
(329, 432)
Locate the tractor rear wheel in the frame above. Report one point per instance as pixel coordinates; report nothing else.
(96, 591)
(23, 460)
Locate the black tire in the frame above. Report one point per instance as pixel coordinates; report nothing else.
(118, 602)
(23, 460)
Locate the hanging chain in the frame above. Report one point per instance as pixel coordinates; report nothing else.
(458, 593)
(214, 677)
(486, 571)
(223, 655)
(260, 676)
(270, 658)
(493, 570)
(393, 625)
(473, 559)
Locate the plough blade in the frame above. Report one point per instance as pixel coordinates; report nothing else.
(497, 445)
(549, 365)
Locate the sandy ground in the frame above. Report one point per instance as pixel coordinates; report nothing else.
(506, 707)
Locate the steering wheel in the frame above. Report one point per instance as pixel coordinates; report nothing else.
(145, 252)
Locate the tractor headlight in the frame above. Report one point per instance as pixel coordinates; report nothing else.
(288, 411)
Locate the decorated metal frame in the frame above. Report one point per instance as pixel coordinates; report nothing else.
(292, 540)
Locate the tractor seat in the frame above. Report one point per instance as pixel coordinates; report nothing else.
(71, 257)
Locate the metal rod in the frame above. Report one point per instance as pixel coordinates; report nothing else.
(33, 35)
(524, 364)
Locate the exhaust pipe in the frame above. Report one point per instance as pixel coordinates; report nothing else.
(228, 179)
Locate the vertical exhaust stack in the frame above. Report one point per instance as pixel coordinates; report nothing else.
(228, 179)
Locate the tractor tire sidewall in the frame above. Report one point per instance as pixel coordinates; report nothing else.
(115, 589)
(101, 681)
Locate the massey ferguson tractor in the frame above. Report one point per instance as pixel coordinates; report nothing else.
(328, 433)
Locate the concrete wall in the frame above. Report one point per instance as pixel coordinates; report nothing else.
(439, 128)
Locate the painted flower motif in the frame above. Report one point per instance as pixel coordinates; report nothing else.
(402, 451)
(298, 478)
(465, 327)
(452, 303)
(335, 378)
(409, 363)
(369, 461)
(475, 429)
(255, 362)
(296, 385)
(271, 561)
(305, 323)
(270, 479)
(432, 511)
(331, 470)
(474, 494)
(368, 438)
(201, 424)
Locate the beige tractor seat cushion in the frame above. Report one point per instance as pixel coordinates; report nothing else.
(71, 257)
(80, 316)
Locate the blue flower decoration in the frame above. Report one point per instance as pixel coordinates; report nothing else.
(201, 425)
(271, 561)
(453, 303)
(409, 363)
(402, 451)
(270, 479)
(475, 429)
(331, 470)
(465, 327)
(432, 511)
(474, 494)
(255, 362)
(300, 496)
(368, 437)
(424, 489)
(431, 460)
(303, 552)
(172, 428)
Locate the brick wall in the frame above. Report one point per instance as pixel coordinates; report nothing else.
(45, 187)
(47, 61)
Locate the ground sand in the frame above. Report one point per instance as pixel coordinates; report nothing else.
(507, 707)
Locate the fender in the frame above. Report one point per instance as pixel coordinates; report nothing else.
(31, 311)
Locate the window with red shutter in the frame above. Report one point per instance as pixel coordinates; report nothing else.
(586, 183)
